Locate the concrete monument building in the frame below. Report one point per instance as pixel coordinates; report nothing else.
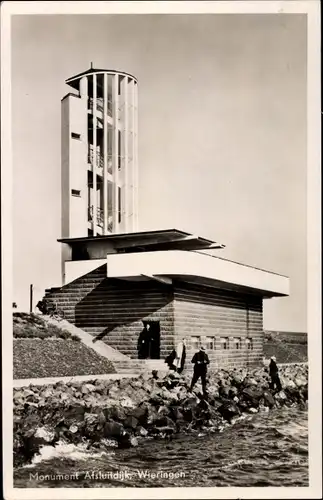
(115, 277)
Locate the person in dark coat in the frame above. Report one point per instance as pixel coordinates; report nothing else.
(170, 360)
(143, 343)
(200, 360)
(273, 372)
(183, 358)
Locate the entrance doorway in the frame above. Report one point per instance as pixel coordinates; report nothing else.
(149, 341)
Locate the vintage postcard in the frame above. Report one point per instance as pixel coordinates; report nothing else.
(160, 249)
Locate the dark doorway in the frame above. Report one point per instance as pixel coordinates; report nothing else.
(154, 340)
(149, 341)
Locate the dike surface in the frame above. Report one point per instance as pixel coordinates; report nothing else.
(120, 413)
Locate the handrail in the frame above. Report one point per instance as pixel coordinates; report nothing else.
(100, 105)
(99, 217)
(99, 158)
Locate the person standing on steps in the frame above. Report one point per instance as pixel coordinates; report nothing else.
(200, 360)
(273, 372)
(143, 342)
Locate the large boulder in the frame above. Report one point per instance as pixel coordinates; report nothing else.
(152, 416)
(237, 380)
(171, 379)
(290, 384)
(156, 397)
(176, 414)
(87, 388)
(31, 444)
(141, 413)
(164, 422)
(252, 395)
(249, 381)
(127, 402)
(74, 414)
(280, 397)
(300, 381)
(131, 422)
(127, 441)
(164, 411)
(116, 413)
(113, 429)
(228, 410)
(114, 392)
(93, 425)
(268, 399)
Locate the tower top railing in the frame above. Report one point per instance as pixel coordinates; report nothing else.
(100, 105)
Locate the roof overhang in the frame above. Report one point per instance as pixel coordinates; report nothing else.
(197, 268)
(162, 239)
(74, 81)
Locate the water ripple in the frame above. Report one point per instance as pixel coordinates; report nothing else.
(269, 449)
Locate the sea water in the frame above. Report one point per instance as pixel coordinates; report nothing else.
(267, 449)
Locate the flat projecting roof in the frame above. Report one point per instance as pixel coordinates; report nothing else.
(196, 268)
(73, 81)
(162, 239)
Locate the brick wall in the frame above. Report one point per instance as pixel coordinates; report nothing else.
(213, 313)
(114, 309)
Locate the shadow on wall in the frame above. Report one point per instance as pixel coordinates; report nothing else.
(116, 303)
(231, 299)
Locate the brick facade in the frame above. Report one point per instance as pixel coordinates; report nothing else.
(213, 315)
(114, 310)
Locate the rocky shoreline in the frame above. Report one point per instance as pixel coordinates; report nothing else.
(120, 413)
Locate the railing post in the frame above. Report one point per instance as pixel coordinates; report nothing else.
(31, 299)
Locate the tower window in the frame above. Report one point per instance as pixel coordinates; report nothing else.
(75, 135)
(119, 204)
(76, 192)
(119, 149)
(120, 78)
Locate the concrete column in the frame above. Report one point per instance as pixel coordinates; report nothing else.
(136, 180)
(83, 88)
(105, 153)
(85, 146)
(116, 153)
(132, 209)
(94, 169)
(125, 214)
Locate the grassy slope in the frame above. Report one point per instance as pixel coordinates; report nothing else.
(56, 358)
(35, 326)
(286, 349)
(44, 350)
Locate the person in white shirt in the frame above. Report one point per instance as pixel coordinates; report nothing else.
(179, 361)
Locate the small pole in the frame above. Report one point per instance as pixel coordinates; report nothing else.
(31, 299)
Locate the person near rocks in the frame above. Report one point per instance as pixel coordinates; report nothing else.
(200, 360)
(143, 343)
(170, 359)
(273, 372)
(179, 361)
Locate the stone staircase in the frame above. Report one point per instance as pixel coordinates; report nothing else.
(112, 310)
(122, 363)
(140, 365)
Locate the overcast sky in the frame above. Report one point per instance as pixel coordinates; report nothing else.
(222, 136)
